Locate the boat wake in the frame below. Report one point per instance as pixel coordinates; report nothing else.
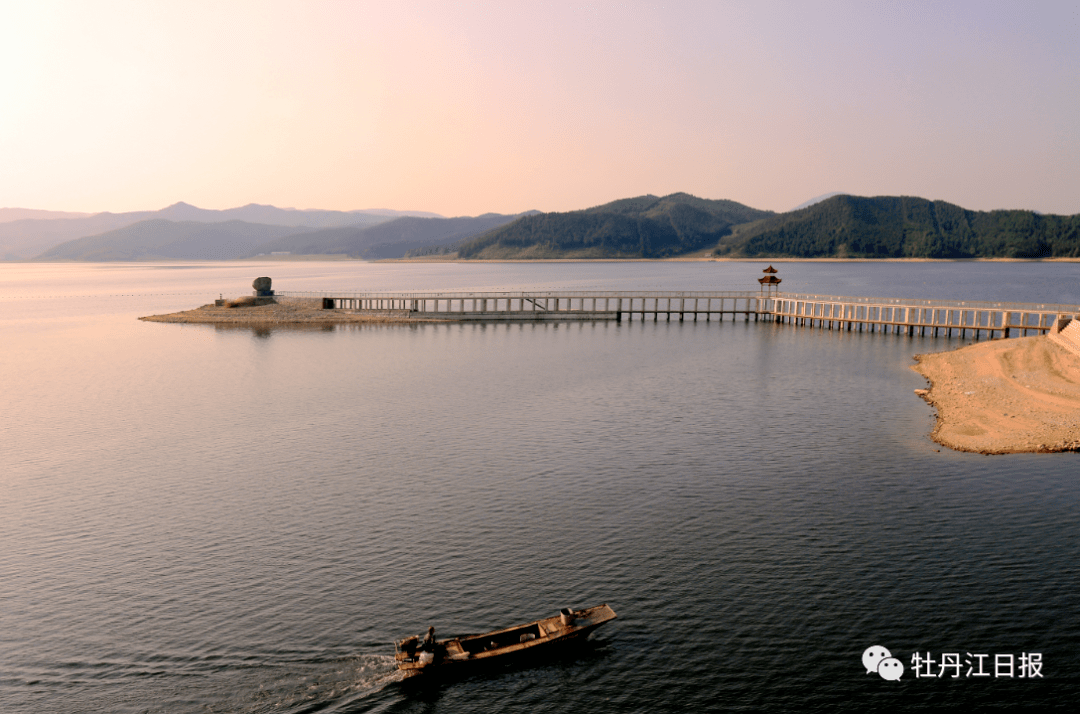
(308, 686)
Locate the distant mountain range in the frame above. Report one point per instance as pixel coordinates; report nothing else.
(830, 226)
(26, 233)
(17, 214)
(183, 232)
(392, 239)
(161, 239)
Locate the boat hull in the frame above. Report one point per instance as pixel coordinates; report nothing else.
(510, 644)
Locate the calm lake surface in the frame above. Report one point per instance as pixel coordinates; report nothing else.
(195, 519)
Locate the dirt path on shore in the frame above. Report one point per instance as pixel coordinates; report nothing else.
(1005, 396)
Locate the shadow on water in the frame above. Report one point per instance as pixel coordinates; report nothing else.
(266, 330)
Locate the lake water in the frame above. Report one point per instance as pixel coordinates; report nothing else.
(195, 519)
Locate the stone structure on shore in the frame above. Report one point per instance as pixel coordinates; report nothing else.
(262, 287)
(1066, 332)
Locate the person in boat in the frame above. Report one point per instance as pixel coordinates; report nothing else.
(428, 645)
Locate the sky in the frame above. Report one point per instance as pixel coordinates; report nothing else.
(463, 108)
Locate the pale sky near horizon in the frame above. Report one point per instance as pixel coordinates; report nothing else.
(463, 108)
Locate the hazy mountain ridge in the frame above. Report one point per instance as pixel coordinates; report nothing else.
(640, 227)
(160, 238)
(29, 237)
(904, 227)
(8, 215)
(274, 216)
(391, 239)
(25, 236)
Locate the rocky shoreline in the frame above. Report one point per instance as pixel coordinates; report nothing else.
(1005, 396)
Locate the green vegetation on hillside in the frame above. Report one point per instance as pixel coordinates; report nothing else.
(904, 227)
(642, 227)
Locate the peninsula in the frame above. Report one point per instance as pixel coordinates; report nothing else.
(1005, 396)
(280, 312)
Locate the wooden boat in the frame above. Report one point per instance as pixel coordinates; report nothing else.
(533, 638)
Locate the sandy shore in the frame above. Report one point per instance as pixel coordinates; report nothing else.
(287, 311)
(1005, 396)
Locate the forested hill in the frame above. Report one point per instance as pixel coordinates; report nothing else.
(904, 227)
(642, 227)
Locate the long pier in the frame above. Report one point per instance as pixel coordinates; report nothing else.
(863, 314)
(924, 317)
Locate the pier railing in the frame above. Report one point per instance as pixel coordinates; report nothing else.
(808, 297)
(549, 304)
(456, 294)
(824, 311)
(955, 304)
(922, 316)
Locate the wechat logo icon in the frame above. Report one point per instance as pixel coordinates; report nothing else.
(880, 660)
